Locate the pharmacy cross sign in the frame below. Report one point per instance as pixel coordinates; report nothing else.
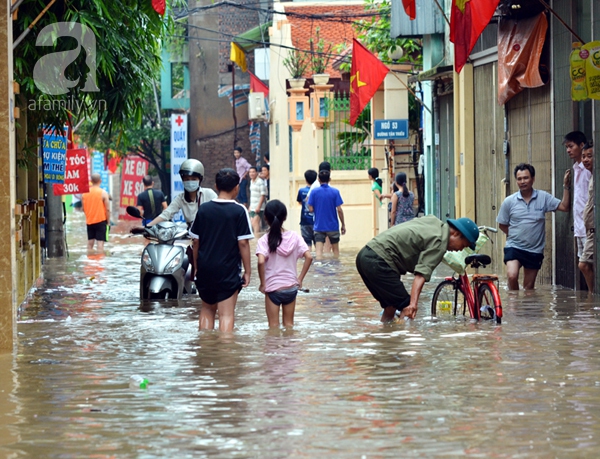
(179, 120)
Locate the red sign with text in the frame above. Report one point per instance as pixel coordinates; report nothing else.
(133, 170)
(77, 179)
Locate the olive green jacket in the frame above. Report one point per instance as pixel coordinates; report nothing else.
(416, 246)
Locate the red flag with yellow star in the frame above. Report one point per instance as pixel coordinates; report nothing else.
(366, 76)
(467, 20)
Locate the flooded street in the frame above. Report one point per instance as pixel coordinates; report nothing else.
(340, 384)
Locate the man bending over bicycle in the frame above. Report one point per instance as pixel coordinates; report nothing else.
(417, 247)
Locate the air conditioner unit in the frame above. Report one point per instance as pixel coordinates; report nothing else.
(256, 106)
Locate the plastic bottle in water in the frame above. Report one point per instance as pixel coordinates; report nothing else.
(138, 382)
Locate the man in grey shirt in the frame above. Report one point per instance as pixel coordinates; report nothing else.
(522, 218)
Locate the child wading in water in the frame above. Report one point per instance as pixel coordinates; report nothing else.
(278, 252)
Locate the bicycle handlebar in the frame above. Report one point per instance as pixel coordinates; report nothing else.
(488, 228)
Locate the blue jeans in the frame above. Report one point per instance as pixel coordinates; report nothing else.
(242, 196)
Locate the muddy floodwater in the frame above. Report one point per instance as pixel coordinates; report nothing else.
(338, 385)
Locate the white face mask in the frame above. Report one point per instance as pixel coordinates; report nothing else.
(191, 185)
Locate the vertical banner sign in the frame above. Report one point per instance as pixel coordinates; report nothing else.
(591, 53)
(97, 162)
(133, 171)
(98, 167)
(179, 153)
(77, 180)
(54, 149)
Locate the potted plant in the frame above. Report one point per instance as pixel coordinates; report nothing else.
(296, 62)
(319, 58)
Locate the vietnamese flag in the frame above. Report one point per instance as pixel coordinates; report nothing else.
(256, 85)
(366, 75)
(467, 20)
(411, 8)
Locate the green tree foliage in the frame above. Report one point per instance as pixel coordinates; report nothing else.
(149, 138)
(128, 37)
(374, 33)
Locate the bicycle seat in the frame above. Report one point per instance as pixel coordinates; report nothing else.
(478, 260)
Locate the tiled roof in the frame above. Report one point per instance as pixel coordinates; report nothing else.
(336, 30)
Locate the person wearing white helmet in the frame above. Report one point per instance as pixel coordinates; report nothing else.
(192, 173)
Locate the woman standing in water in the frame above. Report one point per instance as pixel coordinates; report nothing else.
(402, 201)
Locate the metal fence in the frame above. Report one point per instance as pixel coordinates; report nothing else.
(345, 146)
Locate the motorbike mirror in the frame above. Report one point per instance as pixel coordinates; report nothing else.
(134, 211)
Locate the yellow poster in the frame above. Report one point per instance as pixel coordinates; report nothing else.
(591, 53)
(578, 85)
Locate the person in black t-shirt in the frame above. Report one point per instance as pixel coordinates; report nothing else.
(151, 202)
(221, 234)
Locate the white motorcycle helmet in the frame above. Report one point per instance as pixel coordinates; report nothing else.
(192, 168)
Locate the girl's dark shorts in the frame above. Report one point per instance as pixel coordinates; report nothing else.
(283, 296)
(528, 260)
(213, 294)
(382, 281)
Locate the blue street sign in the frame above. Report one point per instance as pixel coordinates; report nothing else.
(391, 129)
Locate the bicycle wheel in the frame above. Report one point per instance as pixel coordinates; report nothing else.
(448, 300)
(487, 304)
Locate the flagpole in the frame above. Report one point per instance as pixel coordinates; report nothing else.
(545, 5)
(411, 91)
(235, 139)
(443, 12)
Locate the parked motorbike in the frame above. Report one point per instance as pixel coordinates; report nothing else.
(165, 271)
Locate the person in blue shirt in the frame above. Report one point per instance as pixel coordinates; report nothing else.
(307, 219)
(522, 217)
(326, 203)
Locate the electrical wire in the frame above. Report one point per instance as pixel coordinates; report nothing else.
(321, 17)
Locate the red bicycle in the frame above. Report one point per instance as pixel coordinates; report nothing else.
(480, 294)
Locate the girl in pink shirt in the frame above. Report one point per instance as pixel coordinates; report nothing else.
(278, 252)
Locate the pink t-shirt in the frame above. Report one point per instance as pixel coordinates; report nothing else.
(280, 266)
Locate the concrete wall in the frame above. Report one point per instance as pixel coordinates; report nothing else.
(8, 265)
(216, 152)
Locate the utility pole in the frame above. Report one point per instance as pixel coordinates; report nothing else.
(55, 232)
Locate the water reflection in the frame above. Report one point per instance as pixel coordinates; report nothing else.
(339, 384)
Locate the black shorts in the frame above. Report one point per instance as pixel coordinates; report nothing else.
(97, 231)
(211, 296)
(321, 236)
(382, 281)
(283, 296)
(214, 294)
(528, 260)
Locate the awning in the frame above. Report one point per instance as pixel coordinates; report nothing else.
(435, 73)
(253, 38)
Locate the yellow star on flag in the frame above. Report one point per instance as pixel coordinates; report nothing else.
(365, 65)
(359, 83)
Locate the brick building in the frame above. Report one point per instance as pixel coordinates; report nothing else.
(215, 125)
